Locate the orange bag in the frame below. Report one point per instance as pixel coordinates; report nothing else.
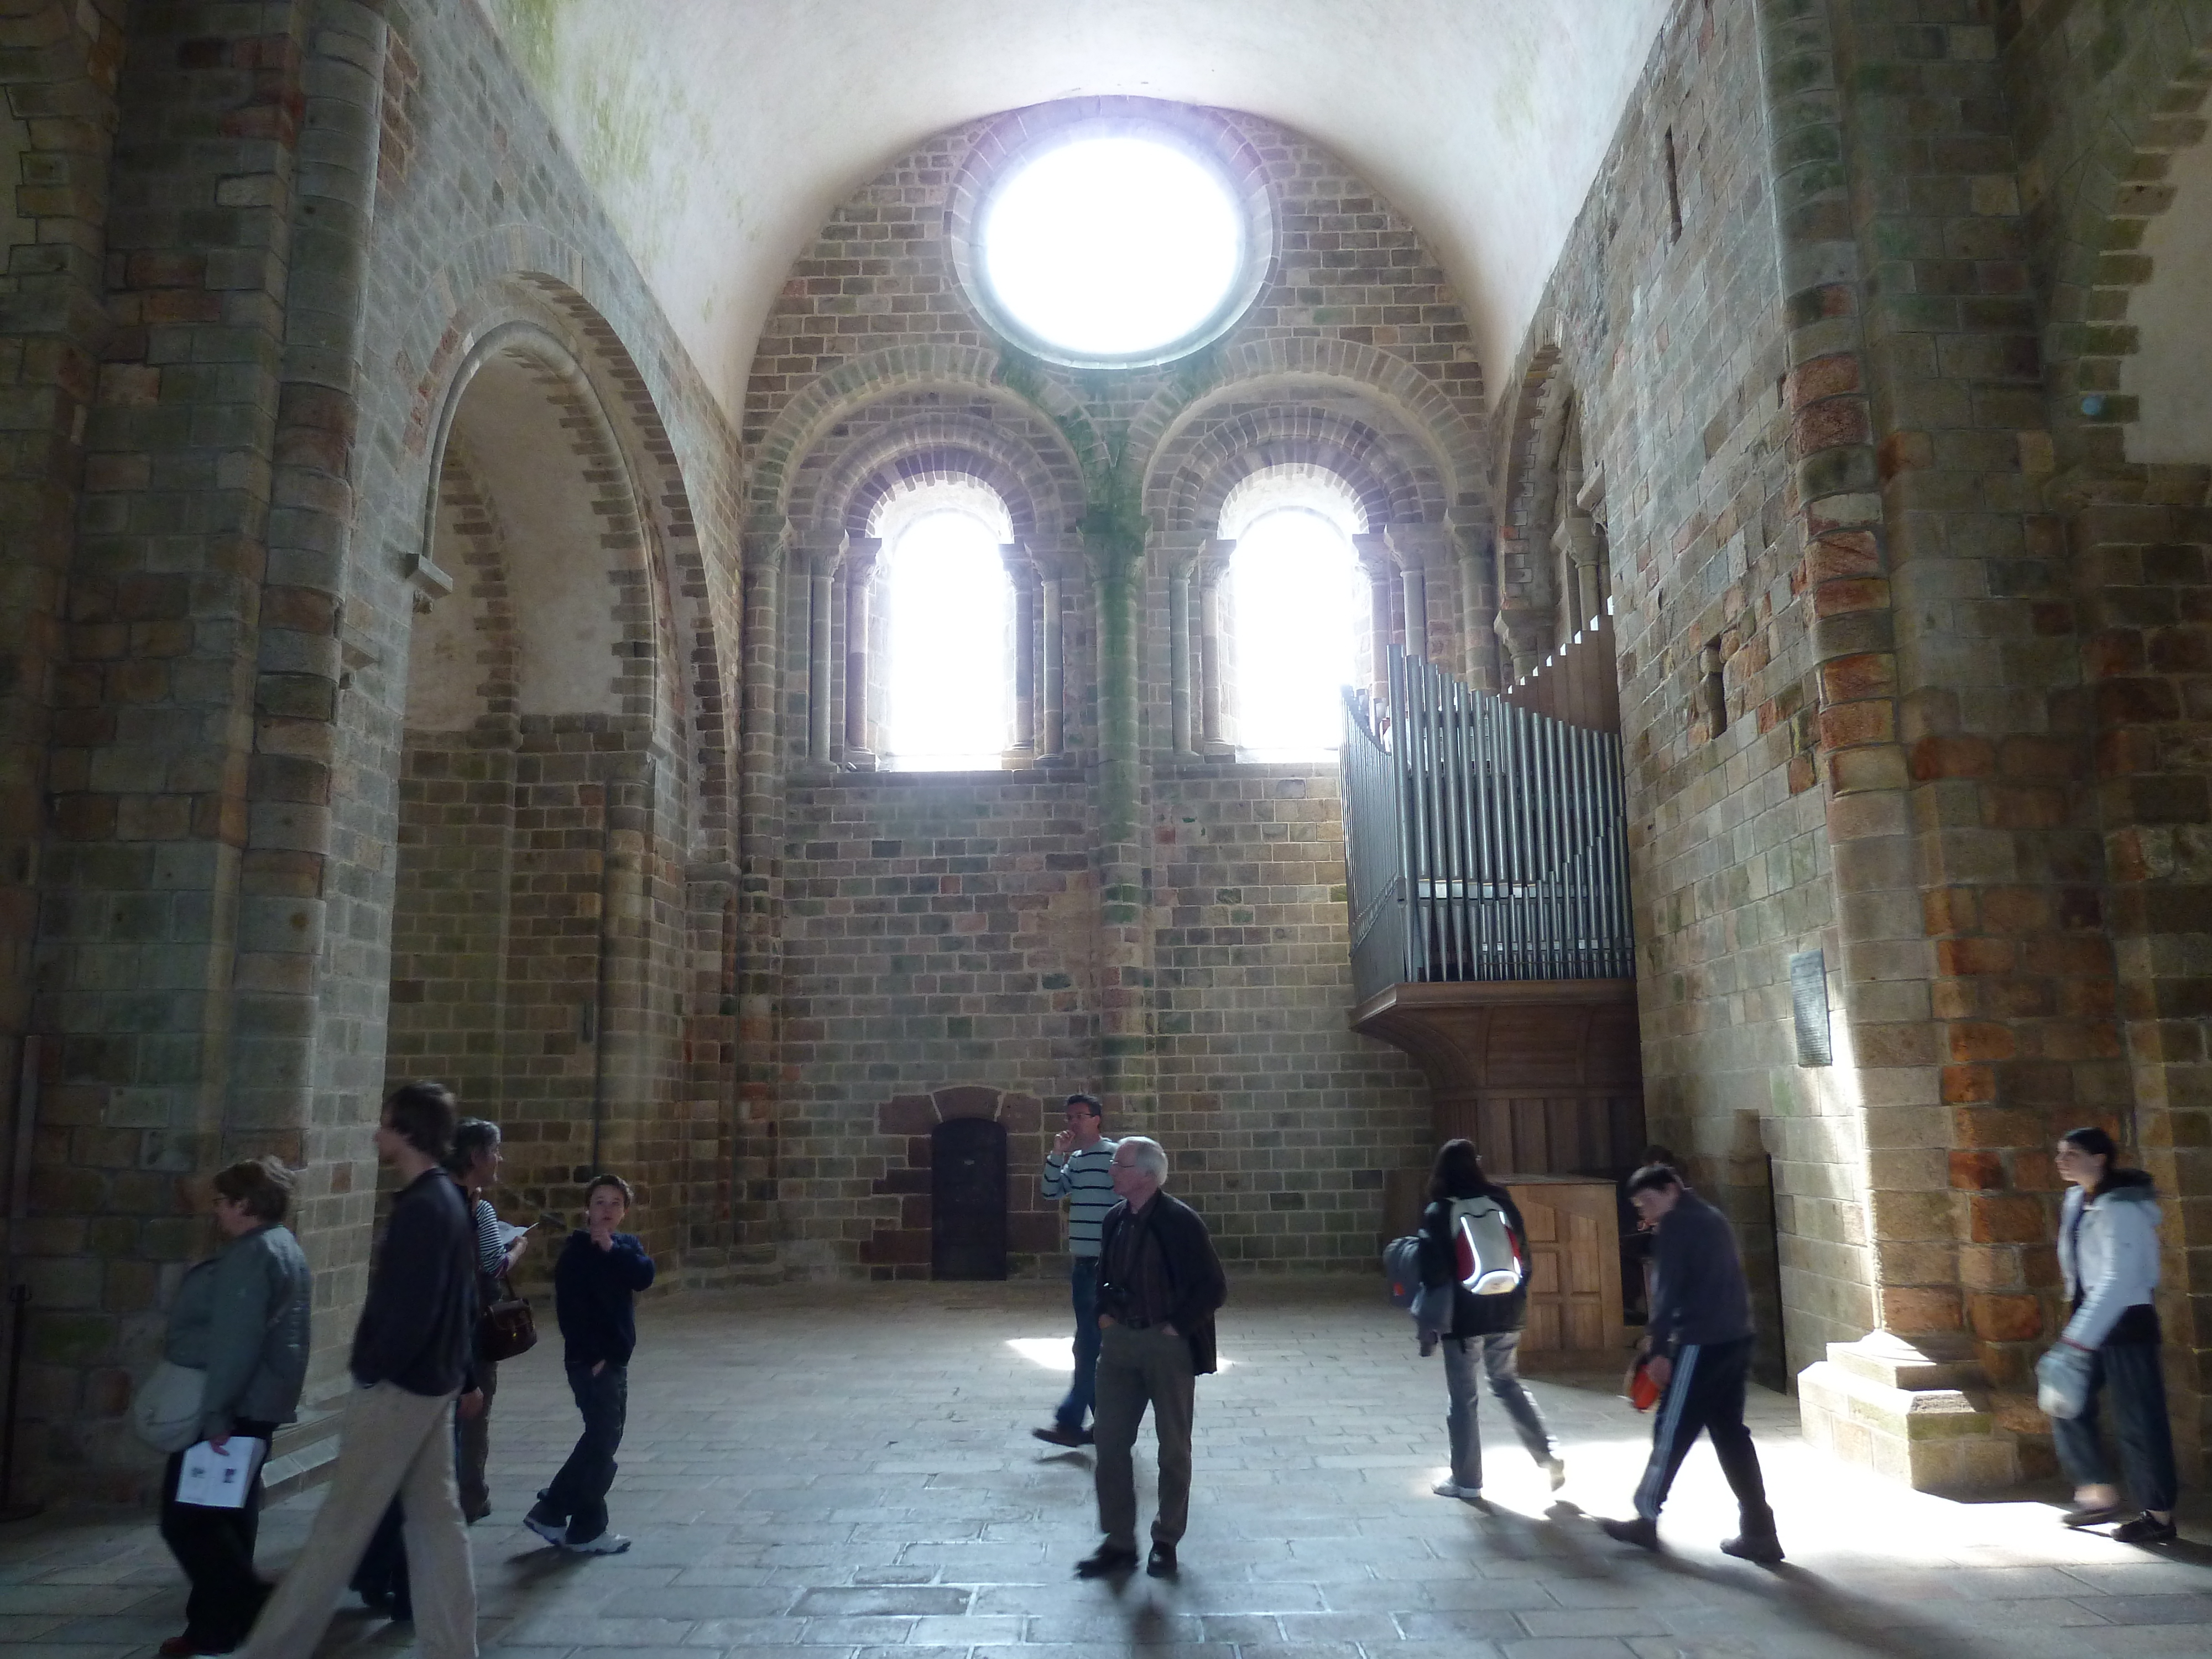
(1642, 1392)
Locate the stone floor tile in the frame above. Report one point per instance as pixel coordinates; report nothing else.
(856, 1481)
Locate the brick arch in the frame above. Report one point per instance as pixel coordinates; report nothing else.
(520, 275)
(801, 423)
(1390, 473)
(840, 482)
(1280, 368)
(2094, 227)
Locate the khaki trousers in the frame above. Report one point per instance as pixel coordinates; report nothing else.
(393, 1442)
(1137, 1368)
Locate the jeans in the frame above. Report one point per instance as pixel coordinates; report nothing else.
(579, 1493)
(1706, 1393)
(1083, 1390)
(2127, 1374)
(472, 1447)
(216, 1549)
(1137, 1368)
(1497, 1357)
(394, 1442)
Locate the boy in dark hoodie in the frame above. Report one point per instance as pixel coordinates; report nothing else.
(595, 1286)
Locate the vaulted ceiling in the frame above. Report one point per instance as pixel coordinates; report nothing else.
(720, 132)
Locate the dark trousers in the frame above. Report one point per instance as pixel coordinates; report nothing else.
(1706, 1393)
(1137, 1368)
(1083, 1390)
(2128, 1375)
(216, 1549)
(579, 1493)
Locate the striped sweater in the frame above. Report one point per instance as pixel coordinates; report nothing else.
(1084, 1181)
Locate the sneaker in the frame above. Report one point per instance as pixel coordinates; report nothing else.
(2144, 1529)
(1453, 1489)
(552, 1531)
(2090, 1514)
(1636, 1530)
(1062, 1434)
(607, 1543)
(1556, 1468)
(1766, 1550)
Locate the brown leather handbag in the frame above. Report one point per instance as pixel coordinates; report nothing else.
(506, 1330)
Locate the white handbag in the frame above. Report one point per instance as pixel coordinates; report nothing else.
(2062, 1380)
(166, 1412)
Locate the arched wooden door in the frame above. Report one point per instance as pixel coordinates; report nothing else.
(967, 1199)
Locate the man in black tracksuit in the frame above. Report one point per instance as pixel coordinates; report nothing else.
(1699, 1342)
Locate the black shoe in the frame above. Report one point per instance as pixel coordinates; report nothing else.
(2144, 1529)
(1764, 1548)
(1107, 1560)
(1161, 1563)
(1645, 1534)
(1060, 1434)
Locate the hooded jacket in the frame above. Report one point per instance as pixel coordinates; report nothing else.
(2108, 1252)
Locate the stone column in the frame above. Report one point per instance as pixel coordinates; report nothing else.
(821, 580)
(862, 553)
(1022, 573)
(1125, 977)
(1052, 735)
(1381, 573)
(1180, 553)
(1214, 737)
(760, 877)
(1478, 598)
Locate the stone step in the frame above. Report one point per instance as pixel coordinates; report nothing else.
(304, 1454)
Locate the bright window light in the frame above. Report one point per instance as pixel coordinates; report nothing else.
(1112, 247)
(949, 606)
(1299, 601)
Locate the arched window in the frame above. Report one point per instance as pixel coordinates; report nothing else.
(1299, 612)
(949, 703)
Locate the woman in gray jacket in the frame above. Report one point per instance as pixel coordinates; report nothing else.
(2108, 1254)
(241, 1318)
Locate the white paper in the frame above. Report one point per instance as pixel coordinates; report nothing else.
(505, 1234)
(212, 1480)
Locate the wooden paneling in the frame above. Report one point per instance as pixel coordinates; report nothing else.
(1574, 1265)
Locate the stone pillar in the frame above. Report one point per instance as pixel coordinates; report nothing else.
(1381, 570)
(1180, 553)
(821, 580)
(1022, 575)
(862, 553)
(152, 784)
(1478, 598)
(1125, 977)
(760, 882)
(1052, 734)
(1214, 736)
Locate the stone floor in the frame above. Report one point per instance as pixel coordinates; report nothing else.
(847, 1474)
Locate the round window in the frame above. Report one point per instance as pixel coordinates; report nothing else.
(1113, 243)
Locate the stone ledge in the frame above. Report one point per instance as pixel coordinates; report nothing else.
(1887, 1406)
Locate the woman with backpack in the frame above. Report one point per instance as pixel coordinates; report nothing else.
(2108, 1254)
(1485, 1338)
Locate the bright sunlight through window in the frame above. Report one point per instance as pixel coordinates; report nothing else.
(1110, 248)
(1300, 601)
(949, 694)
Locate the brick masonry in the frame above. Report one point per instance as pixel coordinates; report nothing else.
(1829, 374)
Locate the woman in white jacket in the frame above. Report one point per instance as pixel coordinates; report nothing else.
(2108, 1252)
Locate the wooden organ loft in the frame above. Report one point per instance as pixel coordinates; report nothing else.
(1487, 855)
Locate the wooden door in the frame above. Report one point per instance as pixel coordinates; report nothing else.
(967, 1199)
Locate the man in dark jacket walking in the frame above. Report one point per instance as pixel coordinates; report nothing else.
(410, 1362)
(1698, 1351)
(1485, 1338)
(1160, 1283)
(595, 1286)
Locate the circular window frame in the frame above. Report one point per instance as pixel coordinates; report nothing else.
(1012, 141)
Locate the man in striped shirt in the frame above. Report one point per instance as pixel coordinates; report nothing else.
(1078, 1168)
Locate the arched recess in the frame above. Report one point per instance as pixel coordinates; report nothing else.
(881, 442)
(537, 922)
(2128, 351)
(1552, 568)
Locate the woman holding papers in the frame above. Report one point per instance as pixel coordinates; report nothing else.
(241, 1318)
